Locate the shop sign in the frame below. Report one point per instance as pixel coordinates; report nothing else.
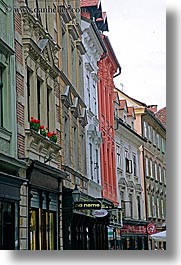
(151, 228)
(87, 205)
(100, 213)
(133, 229)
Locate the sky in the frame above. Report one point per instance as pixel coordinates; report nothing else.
(137, 32)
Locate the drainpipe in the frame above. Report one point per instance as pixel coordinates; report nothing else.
(118, 72)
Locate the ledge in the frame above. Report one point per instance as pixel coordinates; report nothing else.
(37, 143)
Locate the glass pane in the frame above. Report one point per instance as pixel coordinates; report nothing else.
(52, 230)
(33, 230)
(8, 224)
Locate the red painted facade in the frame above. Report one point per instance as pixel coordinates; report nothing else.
(108, 67)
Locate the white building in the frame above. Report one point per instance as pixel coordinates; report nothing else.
(94, 49)
(129, 167)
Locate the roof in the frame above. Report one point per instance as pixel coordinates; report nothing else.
(87, 3)
(136, 101)
(161, 115)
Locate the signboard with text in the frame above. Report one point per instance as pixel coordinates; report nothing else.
(87, 205)
(133, 229)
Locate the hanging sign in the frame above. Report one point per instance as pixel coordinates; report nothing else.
(100, 213)
(151, 228)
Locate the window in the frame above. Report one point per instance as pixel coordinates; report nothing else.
(158, 207)
(149, 205)
(154, 137)
(160, 173)
(164, 176)
(64, 51)
(162, 209)
(163, 145)
(158, 141)
(139, 207)
(118, 156)
(66, 140)
(48, 106)
(88, 92)
(156, 172)
(134, 165)
(73, 70)
(128, 163)
(131, 205)
(149, 132)
(39, 98)
(28, 92)
(81, 81)
(91, 162)
(153, 207)
(122, 203)
(97, 166)
(1, 97)
(43, 223)
(145, 129)
(151, 168)
(146, 166)
(75, 147)
(83, 153)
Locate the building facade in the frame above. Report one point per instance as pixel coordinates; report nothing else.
(38, 122)
(154, 162)
(11, 168)
(129, 145)
(94, 49)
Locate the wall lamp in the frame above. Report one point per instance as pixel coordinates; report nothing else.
(76, 194)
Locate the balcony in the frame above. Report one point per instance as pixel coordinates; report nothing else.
(41, 148)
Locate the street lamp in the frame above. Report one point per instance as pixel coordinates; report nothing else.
(76, 194)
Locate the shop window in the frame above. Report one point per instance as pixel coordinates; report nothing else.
(43, 222)
(8, 225)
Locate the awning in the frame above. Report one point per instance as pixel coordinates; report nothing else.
(161, 236)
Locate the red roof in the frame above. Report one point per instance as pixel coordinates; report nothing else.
(161, 115)
(122, 103)
(84, 3)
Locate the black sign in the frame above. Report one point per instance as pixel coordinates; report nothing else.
(87, 205)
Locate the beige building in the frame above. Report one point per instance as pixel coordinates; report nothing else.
(154, 163)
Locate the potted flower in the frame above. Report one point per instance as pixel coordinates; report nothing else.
(34, 124)
(52, 136)
(43, 131)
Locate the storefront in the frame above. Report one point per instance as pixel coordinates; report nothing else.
(82, 230)
(44, 206)
(134, 235)
(10, 184)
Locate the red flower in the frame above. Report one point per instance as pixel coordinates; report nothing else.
(32, 118)
(41, 127)
(49, 134)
